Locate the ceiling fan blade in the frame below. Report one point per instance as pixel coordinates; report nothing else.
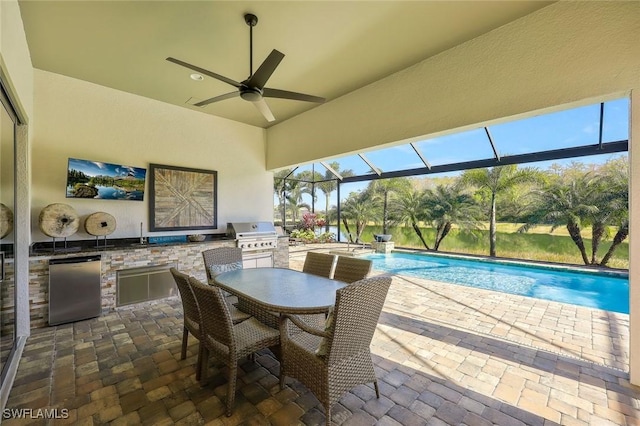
(260, 77)
(285, 94)
(205, 72)
(217, 98)
(264, 110)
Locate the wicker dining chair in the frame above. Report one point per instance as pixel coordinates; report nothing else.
(191, 315)
(351, 269)
(320, 264)
(223, 259)
(333, 361)
(227, 341)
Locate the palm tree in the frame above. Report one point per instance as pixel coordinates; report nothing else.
(448, 205)
(382, 190)
(307, 180)
(280, 188)
(358, 209)
(605, 203)
(621, 235)
(617, 178)
(493, 182)
(328, 185)
(569, 204)
(294, 197)
(409, 205)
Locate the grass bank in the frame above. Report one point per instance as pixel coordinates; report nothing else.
(556, 247)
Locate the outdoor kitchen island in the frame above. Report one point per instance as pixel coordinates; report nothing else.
(120, 257)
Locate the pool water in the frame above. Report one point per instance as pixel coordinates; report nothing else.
(595, 290)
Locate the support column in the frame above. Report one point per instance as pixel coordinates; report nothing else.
(634, 239)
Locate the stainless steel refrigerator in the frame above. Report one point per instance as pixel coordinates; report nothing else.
(74, 289)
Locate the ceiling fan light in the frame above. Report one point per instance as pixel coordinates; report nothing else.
(196, 77)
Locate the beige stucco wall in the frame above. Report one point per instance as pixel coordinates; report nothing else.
(83, 120)
(15, 59)
(569, 52)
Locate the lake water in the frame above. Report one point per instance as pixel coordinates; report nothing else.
(111, 193)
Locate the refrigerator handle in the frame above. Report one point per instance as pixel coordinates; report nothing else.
(1, 266)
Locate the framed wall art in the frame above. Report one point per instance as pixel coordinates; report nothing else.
(182, 198)
(106, 181)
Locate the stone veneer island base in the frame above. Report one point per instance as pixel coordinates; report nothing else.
(187, 256)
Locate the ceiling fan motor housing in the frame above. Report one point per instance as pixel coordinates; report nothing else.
(251, 94)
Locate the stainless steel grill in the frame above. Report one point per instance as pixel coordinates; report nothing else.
(253, 236)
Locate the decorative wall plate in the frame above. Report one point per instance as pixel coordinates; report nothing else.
(58, 220)
(6, 220)
(100, 224)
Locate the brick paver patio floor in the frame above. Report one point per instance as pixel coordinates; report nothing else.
(444, 355)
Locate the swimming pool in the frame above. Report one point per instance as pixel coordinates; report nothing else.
(595, 290)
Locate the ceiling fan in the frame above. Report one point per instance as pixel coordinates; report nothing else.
(252, 89)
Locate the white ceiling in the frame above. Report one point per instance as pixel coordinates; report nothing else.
(331, 47)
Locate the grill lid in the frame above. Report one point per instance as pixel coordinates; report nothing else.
(237, 230)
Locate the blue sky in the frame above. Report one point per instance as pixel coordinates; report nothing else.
(563, 129)
(96, 168)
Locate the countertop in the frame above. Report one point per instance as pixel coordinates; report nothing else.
(101, 245)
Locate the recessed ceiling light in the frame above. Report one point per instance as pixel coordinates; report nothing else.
(196, 77)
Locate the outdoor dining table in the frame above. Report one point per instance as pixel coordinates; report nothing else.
(281, 290)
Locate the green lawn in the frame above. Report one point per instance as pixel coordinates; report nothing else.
(557, 247)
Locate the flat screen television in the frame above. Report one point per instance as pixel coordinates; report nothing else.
(98, 180)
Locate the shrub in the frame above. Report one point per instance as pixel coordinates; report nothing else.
(308, 236)
(326, 237)
(310, 221)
